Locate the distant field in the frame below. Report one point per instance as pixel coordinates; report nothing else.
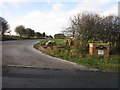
(12, 37)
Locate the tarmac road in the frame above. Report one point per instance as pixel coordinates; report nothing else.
(26, 67)
(22, 53)
(17, 77)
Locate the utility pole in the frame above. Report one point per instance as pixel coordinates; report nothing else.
(0, 25)
(119, 8)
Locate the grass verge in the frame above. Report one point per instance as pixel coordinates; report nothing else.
(103, 63)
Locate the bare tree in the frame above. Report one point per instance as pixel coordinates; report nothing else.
(86, 27)
(111, 31)
(83, 26)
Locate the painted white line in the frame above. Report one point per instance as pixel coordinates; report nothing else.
(22, 66)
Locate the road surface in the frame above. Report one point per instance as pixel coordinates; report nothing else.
(26, 67)
(17, 77)
(22, 53)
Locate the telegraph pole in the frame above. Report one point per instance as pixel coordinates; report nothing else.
(1, 26)
(119, 9)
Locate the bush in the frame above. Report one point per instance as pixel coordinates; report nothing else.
(59, 36)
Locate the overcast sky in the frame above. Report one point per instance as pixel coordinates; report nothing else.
(51, 16)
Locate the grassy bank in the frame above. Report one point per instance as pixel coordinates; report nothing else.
(104, 63)
(58, 41)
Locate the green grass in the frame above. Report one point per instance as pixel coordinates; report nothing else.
(104, 63)
(108, 64)
(93, 61)
(56, 40)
